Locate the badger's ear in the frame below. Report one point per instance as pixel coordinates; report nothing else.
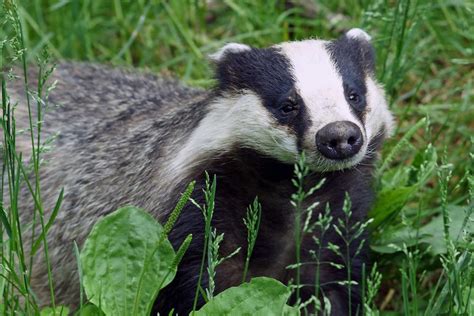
(227, 49)
(358, 34)
(360, 43)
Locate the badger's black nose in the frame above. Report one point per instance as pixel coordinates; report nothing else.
(339, 140)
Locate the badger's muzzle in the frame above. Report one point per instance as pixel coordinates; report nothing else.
(339, 140)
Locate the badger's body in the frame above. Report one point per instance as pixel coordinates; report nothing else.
(135, 139)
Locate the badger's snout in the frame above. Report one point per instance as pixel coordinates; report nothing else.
(339, 140)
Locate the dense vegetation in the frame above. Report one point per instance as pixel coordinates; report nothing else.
(422, 227)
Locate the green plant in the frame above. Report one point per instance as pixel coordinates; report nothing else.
(302, 215)
(207, 212)
(211, 242)
(130, 238)
(262, 296)
(373, 282)
(321, 226)
(16, 260)
(252, 222)
(350, 234)
(124, 269)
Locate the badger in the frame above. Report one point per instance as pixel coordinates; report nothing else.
(130, 138)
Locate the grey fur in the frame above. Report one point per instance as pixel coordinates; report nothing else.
(115, 129)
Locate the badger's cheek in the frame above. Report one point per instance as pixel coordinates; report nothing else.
(277, 141)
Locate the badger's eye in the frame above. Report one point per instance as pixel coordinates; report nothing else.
(354, 97)
(288, 107)
(356, 100)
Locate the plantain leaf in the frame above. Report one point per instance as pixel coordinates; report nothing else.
(58, 311)
(433, 234)
(261, 296)
(125, 263)
(389, 202)
(89, 310)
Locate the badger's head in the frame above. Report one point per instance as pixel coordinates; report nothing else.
(313, 95)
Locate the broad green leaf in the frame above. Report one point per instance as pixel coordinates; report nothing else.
(389, 202)
(261, 296)
(89, 310)
(124, 264)
(291, 311)
(433, 232)
(57, 311)
(393, 239)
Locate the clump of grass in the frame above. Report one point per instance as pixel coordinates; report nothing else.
(207, 212)
(456, 295)
(212, 241)
(252, 222)
(321, 226)
(302, 215)
(372, 286)
(350, 233)
(16, 260)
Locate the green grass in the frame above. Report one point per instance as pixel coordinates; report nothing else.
(425, 59)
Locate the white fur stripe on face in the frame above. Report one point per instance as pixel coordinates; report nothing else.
(379, 117)
(235, 120)
(319, 83)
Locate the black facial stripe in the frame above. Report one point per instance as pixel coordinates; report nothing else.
(268, 73)
(299, 123)
(354, 60)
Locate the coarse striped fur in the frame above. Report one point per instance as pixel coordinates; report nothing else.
(129, 138)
